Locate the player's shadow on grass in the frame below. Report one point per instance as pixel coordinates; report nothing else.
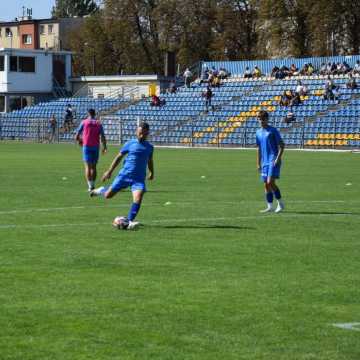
(323, 213)
(204, 226)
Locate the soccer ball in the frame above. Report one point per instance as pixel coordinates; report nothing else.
(121, 222)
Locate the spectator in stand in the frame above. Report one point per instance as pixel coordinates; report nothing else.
(52, 129)
(187, 77)
(247, 73)
(294, 70)
(304, 70)
(336, 93)
(289, 118)
(69, 118)
(333, 68)
(329, 87)
(295, 100)
(339, 69)
(285, 71)
(172, 88)
(223, 74)
(274, 71)
(329, 84)
(310, 69)
(214, 71)
(156, 101)
(356, 69)
(207, 95)
(256, 72)
(210, 78)
(285, 99)
(204, 74)
(323, 69)
(346, 67)
(215, 81)
(301, 89)
(351, 83)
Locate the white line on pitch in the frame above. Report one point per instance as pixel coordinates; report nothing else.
(160, 221)
(65, 208)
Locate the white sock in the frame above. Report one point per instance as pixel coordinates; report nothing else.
(269, 205)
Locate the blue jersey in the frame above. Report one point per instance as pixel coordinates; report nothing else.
(268, 140)
(138, 155)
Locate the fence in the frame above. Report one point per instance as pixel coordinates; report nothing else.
(189, 133)
(300, 134)
(34, 129)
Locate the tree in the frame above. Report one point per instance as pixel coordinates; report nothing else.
(283, 28)
(71, 8)
(133, 35)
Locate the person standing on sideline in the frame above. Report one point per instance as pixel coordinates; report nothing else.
(69, 118)
(88, 135)
(52, 125)
(139, 156)
(187, 77)
(270, 148)
(208, 94)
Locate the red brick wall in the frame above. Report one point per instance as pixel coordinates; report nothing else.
(29, 29)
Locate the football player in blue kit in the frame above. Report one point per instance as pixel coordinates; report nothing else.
(270, 148)
(139, 156)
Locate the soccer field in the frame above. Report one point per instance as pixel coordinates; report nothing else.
(205, 277)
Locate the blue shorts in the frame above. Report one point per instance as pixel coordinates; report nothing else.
(270, 171)
(91, 154)
(123, 182)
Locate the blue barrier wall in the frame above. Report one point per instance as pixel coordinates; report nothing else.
(238, 67)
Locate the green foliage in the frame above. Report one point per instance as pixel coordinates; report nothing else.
(71, 8)
(139, 32)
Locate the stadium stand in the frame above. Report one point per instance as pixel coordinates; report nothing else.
(32, 122)
(183, 119)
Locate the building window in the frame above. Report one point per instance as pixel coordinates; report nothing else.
(50, 29)
(42, 29)
(1, 63)
(0, 32)
(13, 63)
(27, 39)
(2, 103)
(8, 32)
(26, 64)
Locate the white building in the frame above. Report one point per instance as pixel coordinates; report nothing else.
(28, 76)
(136, 86)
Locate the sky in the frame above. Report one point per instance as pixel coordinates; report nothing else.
(10, 9)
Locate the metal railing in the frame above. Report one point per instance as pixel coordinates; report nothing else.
(223, 134)
(188, 133)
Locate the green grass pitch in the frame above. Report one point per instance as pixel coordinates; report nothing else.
(206, 277)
